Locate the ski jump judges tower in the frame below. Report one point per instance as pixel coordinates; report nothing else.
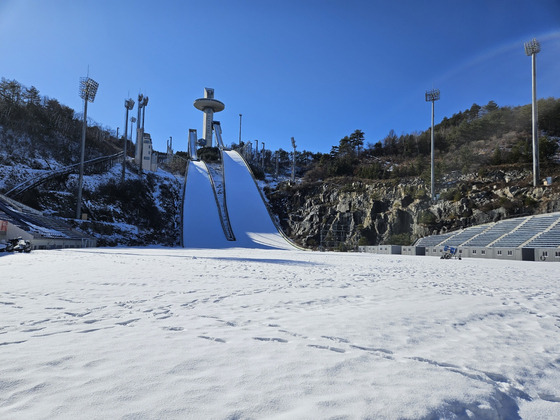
(208, 105)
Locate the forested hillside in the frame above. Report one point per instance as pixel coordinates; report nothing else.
(39, 135)
(48, 130)
(478, 137)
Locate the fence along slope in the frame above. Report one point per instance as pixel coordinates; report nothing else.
(248, 214)
(202, 226)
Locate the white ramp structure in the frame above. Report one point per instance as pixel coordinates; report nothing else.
(236, 217)
(202, 226)
(205, 225)
(248, 214)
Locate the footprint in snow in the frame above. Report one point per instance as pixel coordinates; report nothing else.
(173, 328)
(124, 323)
(337, 339)
(335, 349)
(278, 340)
(219, 340)
(5, 343)
(372, 349)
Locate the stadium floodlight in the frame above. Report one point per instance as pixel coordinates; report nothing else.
(531, 49)
(432, 96)
(128, 104)
(88, 90)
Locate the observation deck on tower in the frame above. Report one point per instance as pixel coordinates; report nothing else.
(208, 105)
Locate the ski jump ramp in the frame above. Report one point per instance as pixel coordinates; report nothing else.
(203, 224)
(202, 227)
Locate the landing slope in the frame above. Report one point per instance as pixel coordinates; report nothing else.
(249, 217)
(201, 221)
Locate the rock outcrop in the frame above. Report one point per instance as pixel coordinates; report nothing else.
(342, 214)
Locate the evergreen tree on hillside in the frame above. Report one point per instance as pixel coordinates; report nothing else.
(549, 116)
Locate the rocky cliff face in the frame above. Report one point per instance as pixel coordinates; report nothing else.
(342, 214)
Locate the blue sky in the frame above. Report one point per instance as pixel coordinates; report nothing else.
(313, 69)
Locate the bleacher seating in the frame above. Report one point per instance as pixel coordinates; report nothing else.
(548, 239)
(495, 231)
(534, 226)
(465, 235)
(433, 240)
(540, 231)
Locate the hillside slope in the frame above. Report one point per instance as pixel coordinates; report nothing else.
(143, 210)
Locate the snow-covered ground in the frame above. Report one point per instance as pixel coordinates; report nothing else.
(254, 333)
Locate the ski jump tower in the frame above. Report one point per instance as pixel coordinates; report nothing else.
(208, 105)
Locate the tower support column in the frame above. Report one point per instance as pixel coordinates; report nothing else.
(208, 105)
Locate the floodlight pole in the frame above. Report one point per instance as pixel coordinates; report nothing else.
(128, 104)
(432, 96)
(88, 90)
(144, 105)
(139, 122)
(82, 156)
(132, 121)
(140, 133)
(531, 49)
(294, 161)
(240, 117)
